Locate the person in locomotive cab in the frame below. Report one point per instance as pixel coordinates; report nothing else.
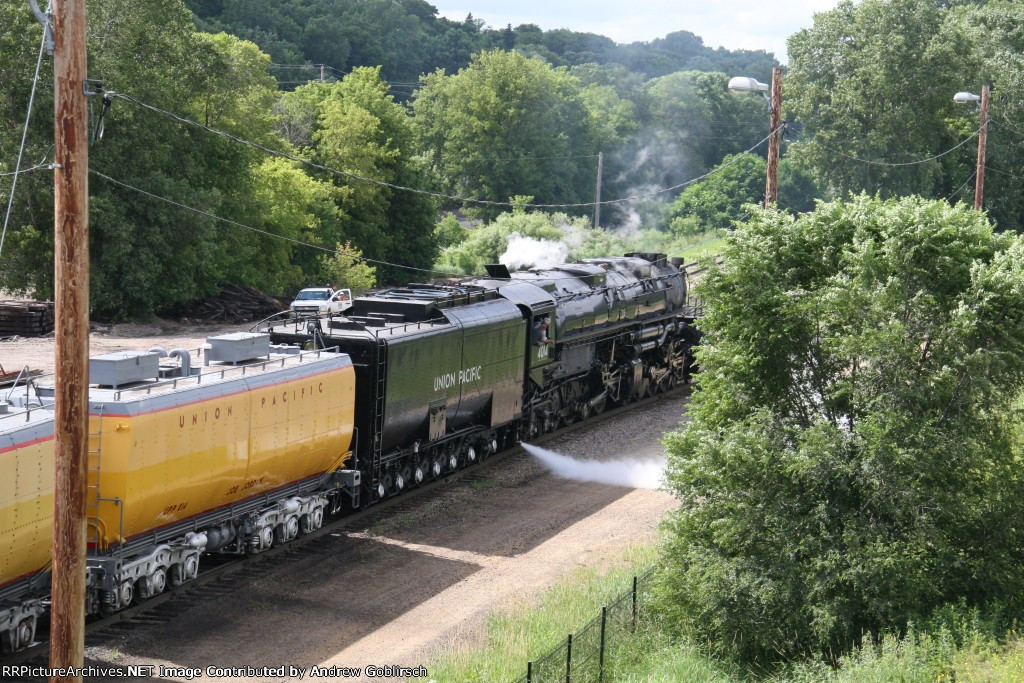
(540, 332)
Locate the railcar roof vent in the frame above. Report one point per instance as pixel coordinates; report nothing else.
(123, 367)
(237, 347)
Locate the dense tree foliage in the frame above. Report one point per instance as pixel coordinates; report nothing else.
(990, 36)
(409, 39)
(875, 80)
(149, 255)
(347, 270)
(853, 456)
(355, 127)
(510, 124)
(717, 202)
(724, 198)
(389, 95)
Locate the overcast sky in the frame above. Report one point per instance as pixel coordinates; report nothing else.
(735, 24)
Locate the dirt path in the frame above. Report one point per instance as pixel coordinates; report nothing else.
(423, 580)
(38, 352)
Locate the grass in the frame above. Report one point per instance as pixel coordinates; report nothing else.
(973, 656)
(709, 244)
(957, 646)
(517, 635)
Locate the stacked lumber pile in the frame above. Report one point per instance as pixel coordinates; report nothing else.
(235, 303)
(26, 318)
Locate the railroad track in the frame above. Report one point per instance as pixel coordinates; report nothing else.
(222, 575)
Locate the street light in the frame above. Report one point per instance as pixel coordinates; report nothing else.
(965, 97)
(747, 84)
(979, 172)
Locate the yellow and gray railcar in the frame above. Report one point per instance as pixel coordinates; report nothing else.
(246, 452)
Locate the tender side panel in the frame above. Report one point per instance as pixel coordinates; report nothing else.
(494, 343)
(172, 457)
(422, 373)
(26, 501)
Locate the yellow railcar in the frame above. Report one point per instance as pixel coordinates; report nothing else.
(233, 459)
(26, 520)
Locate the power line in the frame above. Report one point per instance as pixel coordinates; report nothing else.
(317, 246)
(26, 170)
(429, 193)
(902, 163)
(1004, 124)
(574, 156)
(258, 230)
(24, 136)
(959, 189)
(996, 170)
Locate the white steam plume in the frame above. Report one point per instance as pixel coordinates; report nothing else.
(638, 474)
(526, 252)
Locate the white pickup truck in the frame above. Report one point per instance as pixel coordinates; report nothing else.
(319, 300)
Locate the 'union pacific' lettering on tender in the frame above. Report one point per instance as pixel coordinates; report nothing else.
(450, 379)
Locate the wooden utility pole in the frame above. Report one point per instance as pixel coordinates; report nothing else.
(979, 174)
(771, 189)
(71, 288)
(597, 191)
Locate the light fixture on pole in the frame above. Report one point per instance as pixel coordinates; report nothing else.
(747, 84)
(979, 173)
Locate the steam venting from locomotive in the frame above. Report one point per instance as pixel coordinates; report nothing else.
(630, 472)
(527, 252)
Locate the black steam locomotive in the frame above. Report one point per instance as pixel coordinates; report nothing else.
(448, 374)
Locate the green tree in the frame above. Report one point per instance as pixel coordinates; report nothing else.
(716, 203)
(989, 35)
(508, 124)
(348, 270)
(852, 460)
(696, 114)
(355, 126)
(148, 255)
(292, 204)
(449, 232)
(874, 80)
(722, 200)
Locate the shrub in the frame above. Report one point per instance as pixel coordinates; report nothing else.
(851, 462)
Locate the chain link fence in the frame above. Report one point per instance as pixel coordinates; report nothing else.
(583, 656)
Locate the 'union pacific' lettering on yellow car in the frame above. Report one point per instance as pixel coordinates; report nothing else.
(294, 394)
(450, 379)
(206, 415)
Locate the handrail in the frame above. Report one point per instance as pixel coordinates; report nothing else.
(17, 379)
(224, 370)
(282, 314)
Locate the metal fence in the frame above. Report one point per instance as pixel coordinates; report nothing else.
(583, 656)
